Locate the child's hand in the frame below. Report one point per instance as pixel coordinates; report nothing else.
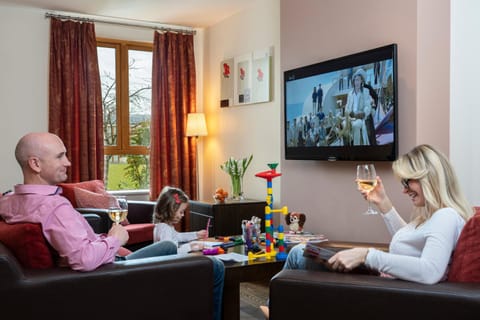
(196, 245)
(202, 234)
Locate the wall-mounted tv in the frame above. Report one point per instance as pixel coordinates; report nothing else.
(344, 108)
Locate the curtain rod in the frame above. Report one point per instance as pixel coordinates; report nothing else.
(121, 22)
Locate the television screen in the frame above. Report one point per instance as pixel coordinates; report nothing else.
(344, 108)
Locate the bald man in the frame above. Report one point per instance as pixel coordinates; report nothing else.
(44, 163)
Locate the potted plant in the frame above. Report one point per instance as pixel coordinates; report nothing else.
(236, 170)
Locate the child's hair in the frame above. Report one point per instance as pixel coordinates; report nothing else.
(168, 203)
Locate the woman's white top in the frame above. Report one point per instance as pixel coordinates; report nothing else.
(421, 254)
(163, 231)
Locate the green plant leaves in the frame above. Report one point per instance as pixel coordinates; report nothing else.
(236, 167)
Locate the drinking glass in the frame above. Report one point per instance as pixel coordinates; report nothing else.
(119, 210)
(367, 180)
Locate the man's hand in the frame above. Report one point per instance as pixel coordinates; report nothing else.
(118, 231)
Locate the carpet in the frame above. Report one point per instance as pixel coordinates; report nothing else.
(252, 296)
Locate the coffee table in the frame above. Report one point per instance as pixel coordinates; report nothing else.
(260, 269)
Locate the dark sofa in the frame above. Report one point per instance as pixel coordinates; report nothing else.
(299, 294)
(153, 288)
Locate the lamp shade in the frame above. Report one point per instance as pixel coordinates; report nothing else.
(196, 125)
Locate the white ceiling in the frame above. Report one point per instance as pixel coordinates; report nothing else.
(191, 13)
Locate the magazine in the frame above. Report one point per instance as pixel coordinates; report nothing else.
(295, 238)
(323, 253)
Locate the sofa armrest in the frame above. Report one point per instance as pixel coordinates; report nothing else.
(340, 296)
(136, 289)
(104, 224)
(140, 211)
(10, 269)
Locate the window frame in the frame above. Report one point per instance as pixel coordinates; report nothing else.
(122, 47)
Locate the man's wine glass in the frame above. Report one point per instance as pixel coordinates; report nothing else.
(367, 180)
(119, 210)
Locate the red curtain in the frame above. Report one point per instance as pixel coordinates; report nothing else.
(172, 154)
(75, 101)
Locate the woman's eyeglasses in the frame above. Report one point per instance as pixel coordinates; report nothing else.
(405, 183)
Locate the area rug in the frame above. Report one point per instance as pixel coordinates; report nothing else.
(252, 296)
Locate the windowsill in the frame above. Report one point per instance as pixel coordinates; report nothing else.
(140, 194)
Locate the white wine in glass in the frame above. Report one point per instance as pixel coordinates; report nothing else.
(118, 213)
(367, 180)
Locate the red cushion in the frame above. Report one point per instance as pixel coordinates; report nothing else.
(465, 265)
(27, 244)
(139, 232)
(91, 185)
(122, 252)
(89, 199)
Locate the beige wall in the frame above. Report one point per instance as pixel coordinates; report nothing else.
(239, 131)
(320, 30)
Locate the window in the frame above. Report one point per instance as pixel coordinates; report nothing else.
(126, 79)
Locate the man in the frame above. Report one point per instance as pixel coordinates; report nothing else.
(44, 163)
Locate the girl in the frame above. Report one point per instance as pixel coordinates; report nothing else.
(169, 210)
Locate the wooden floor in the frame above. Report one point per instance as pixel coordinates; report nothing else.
(252, 296)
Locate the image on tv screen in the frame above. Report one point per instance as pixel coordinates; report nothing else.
(348, 107)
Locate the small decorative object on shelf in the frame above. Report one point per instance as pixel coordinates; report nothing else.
(236, 170)
(295, 221)
(220, 195)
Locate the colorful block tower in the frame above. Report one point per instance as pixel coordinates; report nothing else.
(270, 252)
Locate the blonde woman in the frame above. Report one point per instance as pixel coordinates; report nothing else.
(420, 251)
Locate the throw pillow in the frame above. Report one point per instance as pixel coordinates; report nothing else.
(89, 199)
(27, 244)
(91, 185)
(465, 265)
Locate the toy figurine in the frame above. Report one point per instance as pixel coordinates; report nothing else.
(295, 221)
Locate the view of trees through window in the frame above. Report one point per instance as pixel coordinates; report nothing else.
(126, 78)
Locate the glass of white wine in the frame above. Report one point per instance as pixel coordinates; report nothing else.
(367, 180)
(119, 211)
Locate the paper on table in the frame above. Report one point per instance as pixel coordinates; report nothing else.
(212, 243)
(233, 256)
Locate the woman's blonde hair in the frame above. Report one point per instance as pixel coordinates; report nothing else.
(438, 181)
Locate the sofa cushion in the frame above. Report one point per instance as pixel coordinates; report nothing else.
(91, 185)
(139, 232)
(27, 244)
(465, 265)
(89, 199)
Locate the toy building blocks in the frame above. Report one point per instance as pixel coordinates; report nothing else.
(270, 252)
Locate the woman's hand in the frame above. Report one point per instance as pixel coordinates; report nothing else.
(378, 196)
(202, 234)
(347, 260)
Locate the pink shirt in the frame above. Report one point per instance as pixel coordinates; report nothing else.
(67, 231)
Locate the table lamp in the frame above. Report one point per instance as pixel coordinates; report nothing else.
(196, 126)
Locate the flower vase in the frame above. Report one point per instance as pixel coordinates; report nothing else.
(237, 192)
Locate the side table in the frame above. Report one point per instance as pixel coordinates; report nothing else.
(225, 218)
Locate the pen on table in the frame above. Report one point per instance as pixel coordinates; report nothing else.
(208, 225)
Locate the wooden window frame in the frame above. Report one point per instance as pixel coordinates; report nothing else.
(122, 47)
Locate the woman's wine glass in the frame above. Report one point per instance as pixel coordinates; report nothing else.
(119, 210)
(367, 180)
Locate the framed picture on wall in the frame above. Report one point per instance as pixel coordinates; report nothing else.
(243, 79)
(227, 83)
(261, 76)
(246, 79)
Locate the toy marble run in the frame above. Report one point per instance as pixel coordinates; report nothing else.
(270, 252)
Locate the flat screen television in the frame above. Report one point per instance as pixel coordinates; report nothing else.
(344, 108)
